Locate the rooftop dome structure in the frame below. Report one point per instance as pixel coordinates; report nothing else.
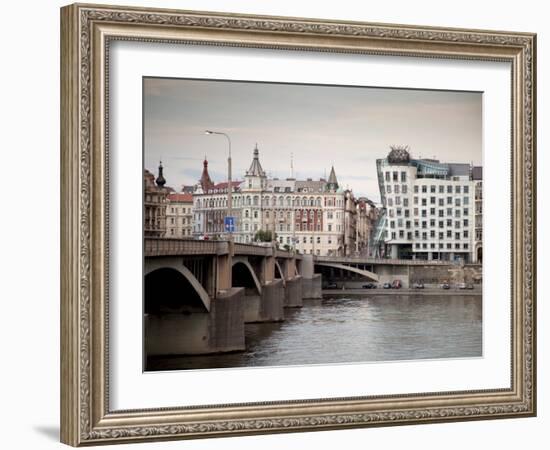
(399, 154)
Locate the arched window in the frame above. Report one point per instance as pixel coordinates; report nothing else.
(248, 200)
(318, 201)
(281, 200)
(256, 200)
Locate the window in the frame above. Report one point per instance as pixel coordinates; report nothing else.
(318, 239)
(406, 213)
(415, 200)
(387, 176)
(432, 245)
(449, 234)
(449, 189)
(432, 189)
(417, 245)
(416, 189)
(423, 213)
(465, 211)
(424, 189)
(432, 222)
(457, 213)
(441, 202)
(408, 224)
(393, 235)
(441, 235)
(441, 189)
(424, 236)
(396, 189)
(398, 211)
(465, 246)
(432, 200)
(404, 189)
(424, 224)
(449, 223)
(449, 246)
(465, 234)
(403, 177)
(457, 202)
(457, 245)
(416, 234)
(432, 234)
(424, 202)
(390, 201)
(449, 211)
(441, 224)
(466, 189)
(401, 234)
(416, 211)
(405, 202)
(399, 222)
(457, 223)
(432, 211)
(441, 212)
(388, 188)
(449, 200)
(395, 176)
(466, 201)
(255, 214)
(457, 235)
(457, 189)
(465, 223)
(392, 223)
(409, 236)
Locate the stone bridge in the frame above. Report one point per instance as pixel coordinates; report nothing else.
(199, 294)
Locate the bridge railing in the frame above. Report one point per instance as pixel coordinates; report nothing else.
(363, 260)
(174, 247)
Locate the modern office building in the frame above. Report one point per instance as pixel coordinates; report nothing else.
(429, 207)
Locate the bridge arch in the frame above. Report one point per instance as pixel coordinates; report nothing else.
(243, 275)
(173, 289)
(281, 273)
(366, 273)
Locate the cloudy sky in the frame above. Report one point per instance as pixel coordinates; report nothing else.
(349, 127)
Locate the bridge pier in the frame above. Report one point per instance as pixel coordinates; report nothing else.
(311, 281)
(196, 333)
(293, 292)
(266, 306)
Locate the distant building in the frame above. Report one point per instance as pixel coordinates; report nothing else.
(155, 194)
(429, 207)
(179, 215)
(477, 176)
(313, 216)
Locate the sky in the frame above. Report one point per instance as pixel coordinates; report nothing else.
(316, 126)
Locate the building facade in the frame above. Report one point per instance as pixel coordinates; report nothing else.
(154, 201)
(311, 216)
(428, 206)
(477, 176)
(179, 215)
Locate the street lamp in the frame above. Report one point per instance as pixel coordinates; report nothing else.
(229, 186)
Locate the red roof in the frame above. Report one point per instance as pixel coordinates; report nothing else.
(180, 197)
(223, 185)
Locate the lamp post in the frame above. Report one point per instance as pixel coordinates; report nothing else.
(229, 184)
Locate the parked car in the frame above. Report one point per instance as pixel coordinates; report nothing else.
(418, 285)
(445, 286)
(370, 286)
(387, 286)
(396, 284)
(465, 286)
(331, 286)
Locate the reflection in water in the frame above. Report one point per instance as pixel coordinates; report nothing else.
(339, 330)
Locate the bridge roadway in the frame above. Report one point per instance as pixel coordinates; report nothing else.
(198, 294)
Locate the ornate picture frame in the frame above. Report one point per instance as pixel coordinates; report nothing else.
(87, 32)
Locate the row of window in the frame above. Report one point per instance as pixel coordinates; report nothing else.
(432, 212)
(432, 223)
(396, 176)
(431, 235)
(176, 210)
(268, 201)
(184, 220)
(184, 232)
(447, 246)
(433, 201)
(442, 188)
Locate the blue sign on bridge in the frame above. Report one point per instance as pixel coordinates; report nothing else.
(229, 224)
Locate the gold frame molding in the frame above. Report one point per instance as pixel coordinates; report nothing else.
(86, 31)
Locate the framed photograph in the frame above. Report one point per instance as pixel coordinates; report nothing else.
(274, 224)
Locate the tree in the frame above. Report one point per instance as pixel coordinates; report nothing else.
(263, 236)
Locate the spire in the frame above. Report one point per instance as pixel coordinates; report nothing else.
(206, 182)
(256, 168)
(332, 181)
(160, 179)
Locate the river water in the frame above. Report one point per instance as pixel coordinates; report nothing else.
(355, 329)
